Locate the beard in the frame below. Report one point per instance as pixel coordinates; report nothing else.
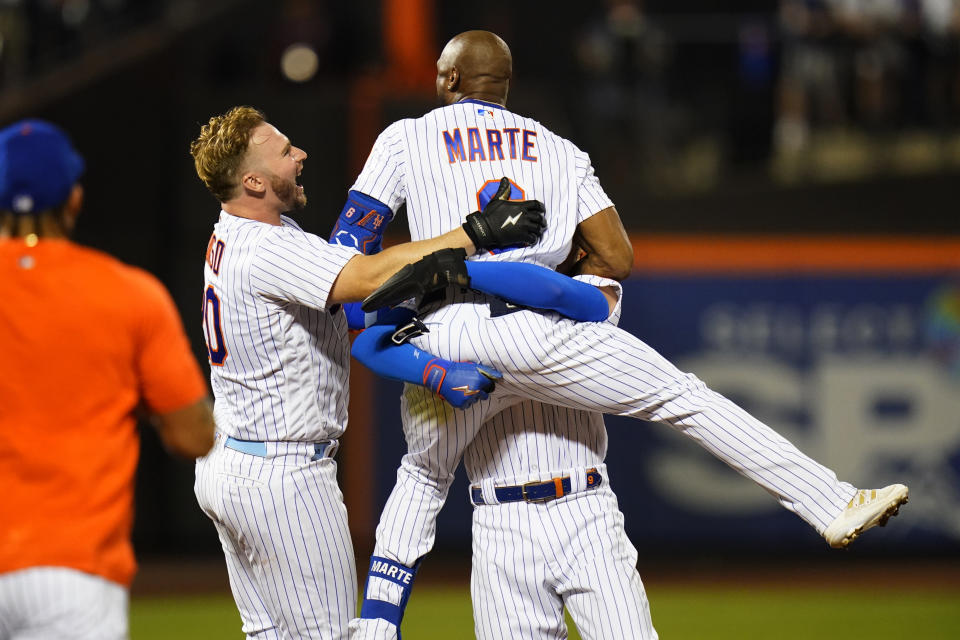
(289, 193)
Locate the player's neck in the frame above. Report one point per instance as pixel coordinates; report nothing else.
(30, 228)
(482, 96)
(253, 211)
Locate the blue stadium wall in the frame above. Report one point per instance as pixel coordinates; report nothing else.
(860, 368)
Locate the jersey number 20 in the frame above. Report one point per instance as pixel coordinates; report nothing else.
(216, 350)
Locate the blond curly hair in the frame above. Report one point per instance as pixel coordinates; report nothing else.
(219, 150)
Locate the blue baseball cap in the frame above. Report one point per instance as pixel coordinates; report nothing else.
(38, 167)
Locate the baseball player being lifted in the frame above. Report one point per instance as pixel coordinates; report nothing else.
(452, 156)
(279, 360)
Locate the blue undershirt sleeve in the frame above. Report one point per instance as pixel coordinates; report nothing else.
(534, 286)
(375, 350)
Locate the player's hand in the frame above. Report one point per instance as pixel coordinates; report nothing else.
(505, 223)
(460, 383)
(438, 270)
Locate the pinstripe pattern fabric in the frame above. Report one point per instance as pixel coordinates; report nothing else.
(283, 526)
(285, 373)
(53, 602)
(531, 560)
(593, 367)
(409, 163)
(282, 379)
(596, 367)
(535, 441)
(373, 629)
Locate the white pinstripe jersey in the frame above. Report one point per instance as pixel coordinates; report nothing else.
(279, 360)
(536, 441)
(533, 441)
(439, 162)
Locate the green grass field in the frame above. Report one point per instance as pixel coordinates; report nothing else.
(679, 613)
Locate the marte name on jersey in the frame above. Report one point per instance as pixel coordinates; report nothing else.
(519, 143)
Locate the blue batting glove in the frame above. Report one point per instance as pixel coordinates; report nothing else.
(460, 383)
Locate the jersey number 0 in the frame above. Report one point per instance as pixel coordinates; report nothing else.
(216, 349)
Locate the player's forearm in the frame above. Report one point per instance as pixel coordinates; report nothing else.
(459, 383)
(597, 265)
(374, 349)
(363, 274)
(398, 256)
(606, 244)
(188, 431)
(602, 268)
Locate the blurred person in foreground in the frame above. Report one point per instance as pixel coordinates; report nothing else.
(86, 340)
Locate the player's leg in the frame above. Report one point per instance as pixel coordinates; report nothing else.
(254, 614)
(210, 486)
(407, 525)
(55, 602)
(601, 587)
(304, 552)
(11, 606)
(598, 367)
(288, 518)
(591, 560)
(512, 581)
(436, 435)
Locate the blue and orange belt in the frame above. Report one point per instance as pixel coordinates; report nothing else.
(536, 491)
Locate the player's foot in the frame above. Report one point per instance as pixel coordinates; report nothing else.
(868, 508)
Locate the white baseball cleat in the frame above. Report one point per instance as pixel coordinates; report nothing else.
(868, 508)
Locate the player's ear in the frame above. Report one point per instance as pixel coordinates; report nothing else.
(72, 207)
(253, 182)
(453, 80)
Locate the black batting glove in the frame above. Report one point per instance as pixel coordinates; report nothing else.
(438, 270)
(504, 223)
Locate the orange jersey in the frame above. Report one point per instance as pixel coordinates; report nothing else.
(84, 339)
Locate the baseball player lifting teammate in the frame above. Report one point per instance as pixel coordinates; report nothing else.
(536, 442)
(279, 357)
(453, 155)
(85, 340)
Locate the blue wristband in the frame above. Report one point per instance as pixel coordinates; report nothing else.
(361, 223)
(400, 575)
